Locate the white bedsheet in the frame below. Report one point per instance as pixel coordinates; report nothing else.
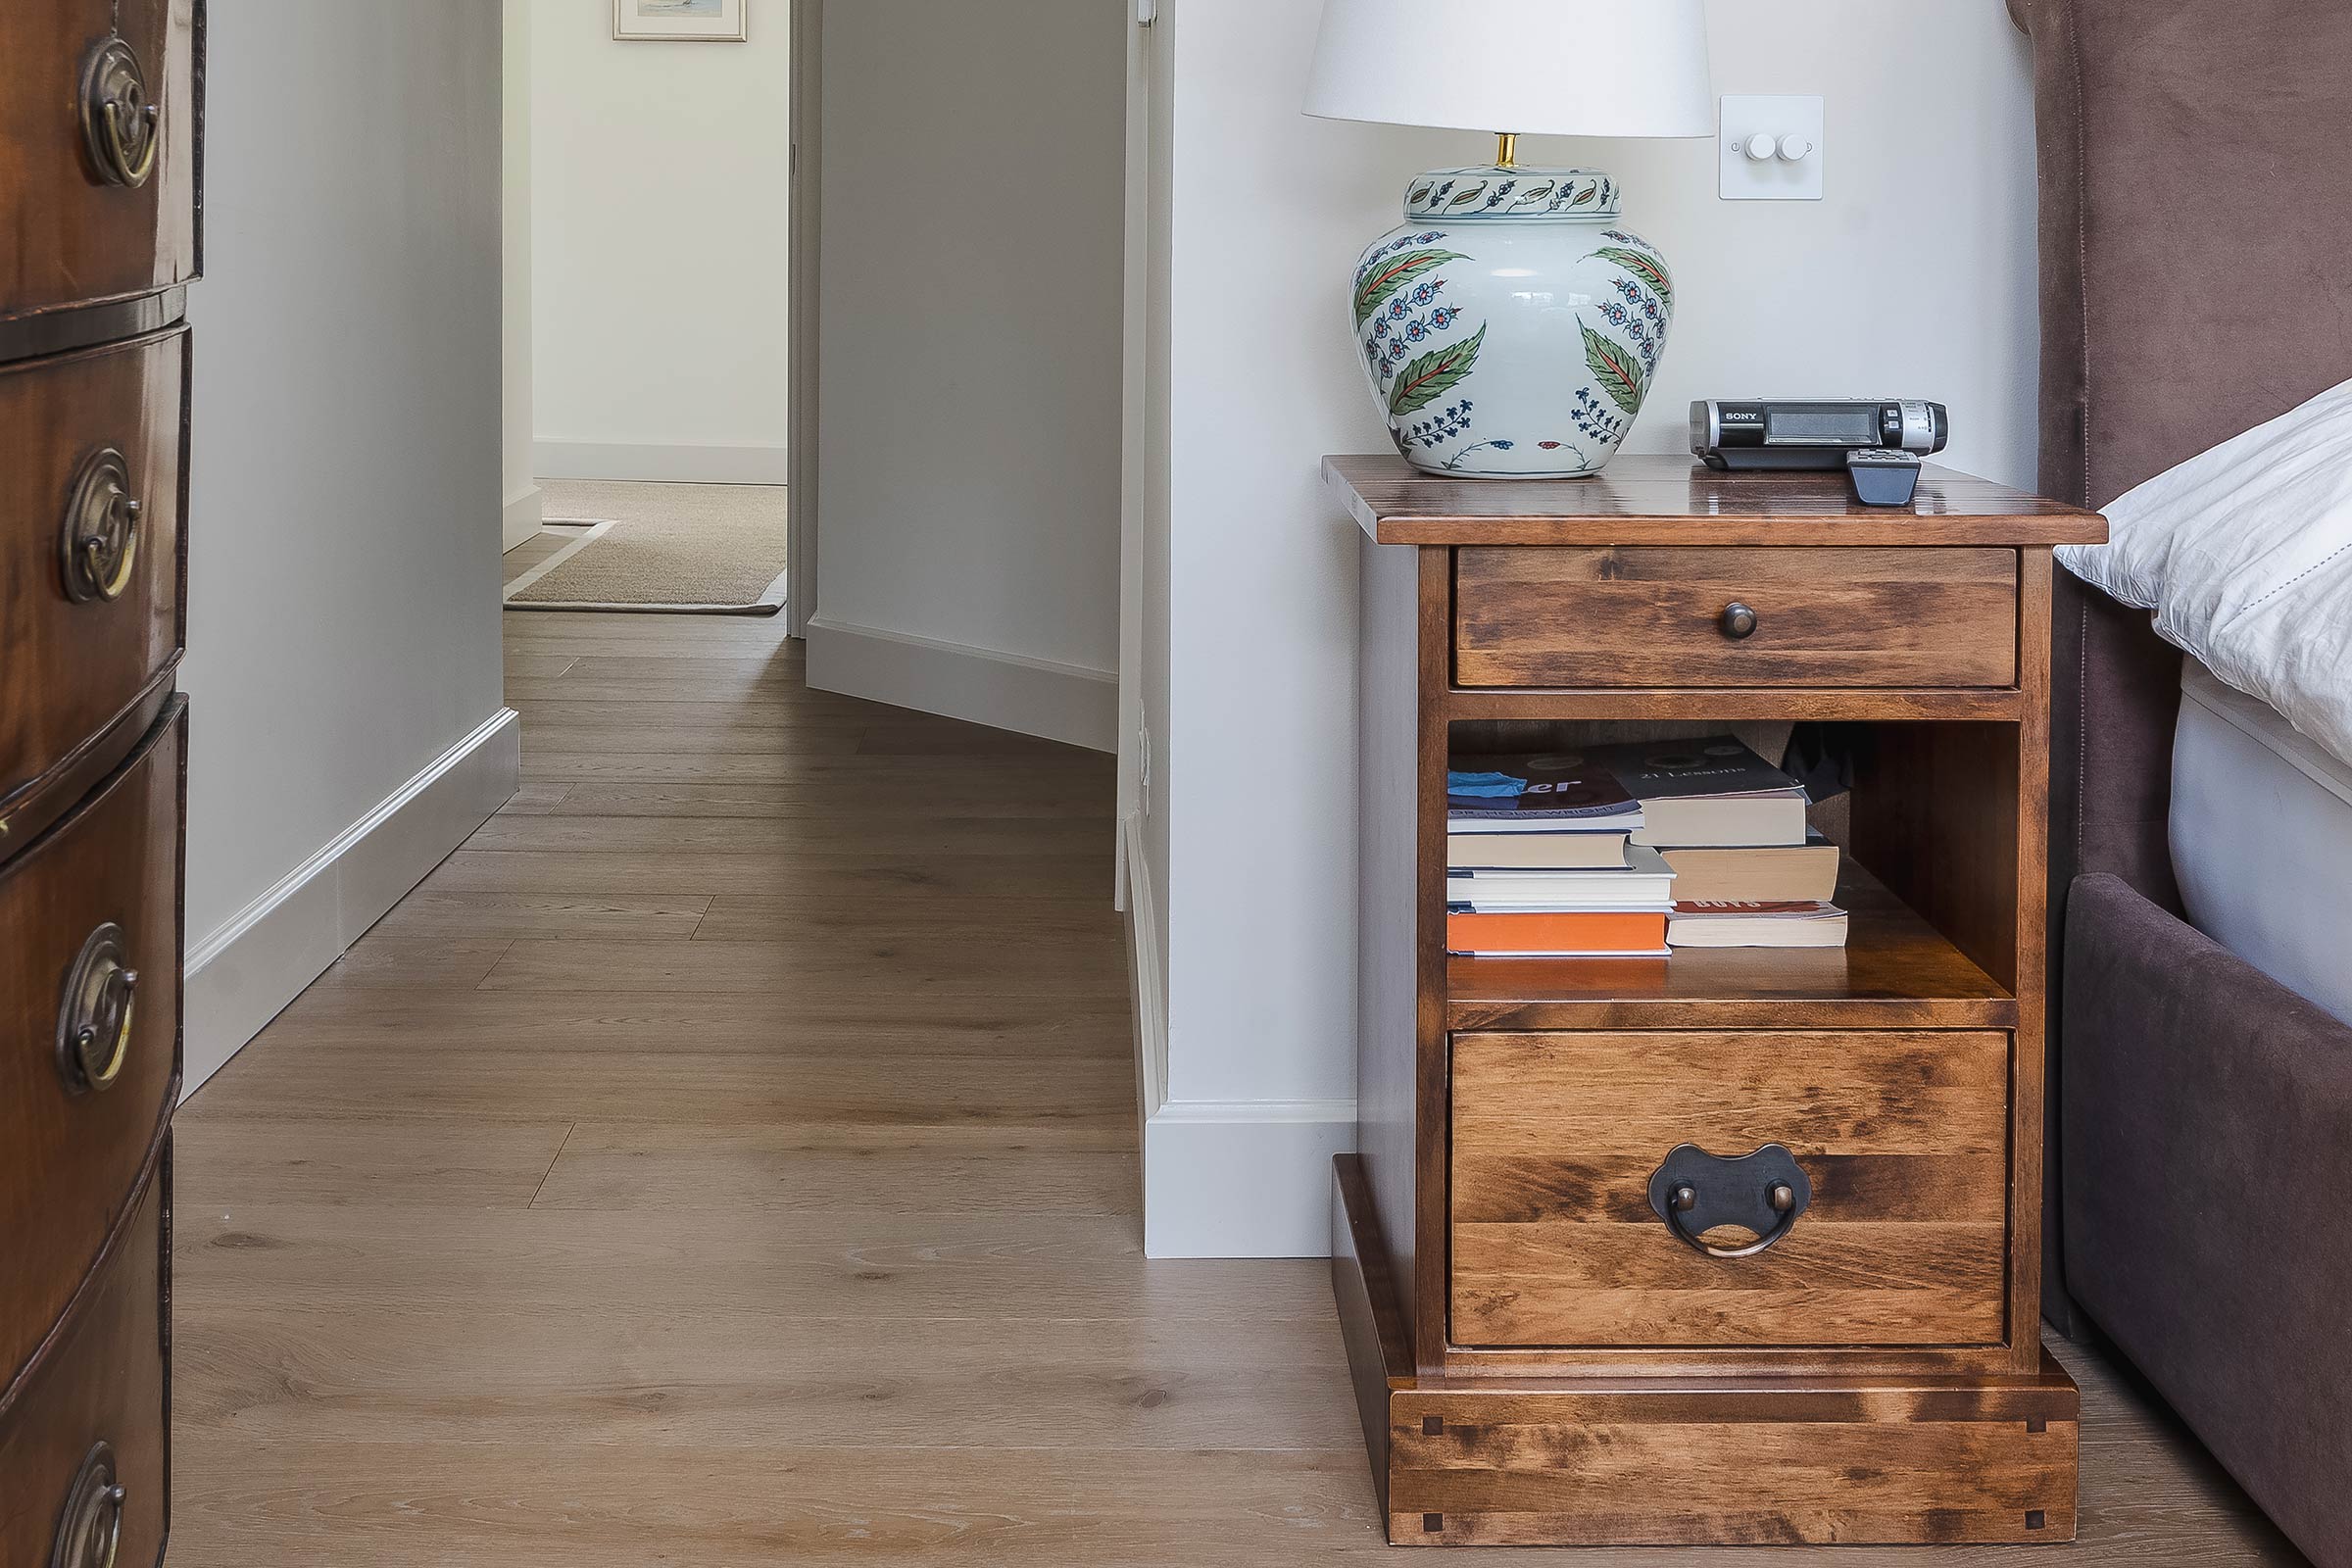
(2244, 553)
(2262, 840)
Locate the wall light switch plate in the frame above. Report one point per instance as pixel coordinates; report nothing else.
(1770, 149)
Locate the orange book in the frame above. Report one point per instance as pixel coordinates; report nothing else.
(1580, 933)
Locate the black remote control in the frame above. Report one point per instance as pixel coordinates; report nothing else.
(1884, 478)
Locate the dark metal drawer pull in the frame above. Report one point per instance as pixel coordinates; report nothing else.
(90, 1532)
(122, 128)
(98, 545)
(93, 1021)
(1737, 622)
(1764, 1193)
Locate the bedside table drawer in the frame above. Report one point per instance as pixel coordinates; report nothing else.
(1902, 1141)
(1668, 617)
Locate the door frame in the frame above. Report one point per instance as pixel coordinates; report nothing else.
(802, 268)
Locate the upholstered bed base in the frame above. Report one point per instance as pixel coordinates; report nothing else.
(2195, 283)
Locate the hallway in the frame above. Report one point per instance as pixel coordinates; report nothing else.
(729, 1157)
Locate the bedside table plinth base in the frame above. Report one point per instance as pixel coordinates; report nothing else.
(1610, 1461)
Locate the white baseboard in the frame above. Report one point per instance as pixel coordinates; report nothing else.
(1242, 1178)
(661, 464)
(1005, 691)
(520, 521)
(242, 975)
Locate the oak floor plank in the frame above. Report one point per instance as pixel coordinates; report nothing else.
(672, 1022)
(961, 1266)
(433, 1164)
(828, 795)
(916, 963)
(604, 1372)
(514, 915)
(823, 873)
(1035, 1099)
(395, 962)
(645, 1165)
(747, 1171)
(1061, 835)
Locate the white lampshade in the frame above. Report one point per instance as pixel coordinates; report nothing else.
(1558, 67)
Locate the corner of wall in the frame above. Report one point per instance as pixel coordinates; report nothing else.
(1221, 1178)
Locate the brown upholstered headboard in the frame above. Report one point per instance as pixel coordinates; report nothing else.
(2197, 280)
(2196, 190)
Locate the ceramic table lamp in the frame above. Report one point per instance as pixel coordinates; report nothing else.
(1513, 325)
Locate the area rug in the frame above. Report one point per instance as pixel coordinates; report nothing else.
(710, 549)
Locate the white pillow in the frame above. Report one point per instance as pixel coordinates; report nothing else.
(2246, 555)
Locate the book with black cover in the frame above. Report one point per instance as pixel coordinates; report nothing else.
(1554, 787)
(1661, 770)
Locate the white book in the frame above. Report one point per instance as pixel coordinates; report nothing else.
(1627, 821)
(1774, 817)
(1645, 881)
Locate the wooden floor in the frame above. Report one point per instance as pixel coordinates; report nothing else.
(729, 1157)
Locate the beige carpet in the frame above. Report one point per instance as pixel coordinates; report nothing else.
(713, 548)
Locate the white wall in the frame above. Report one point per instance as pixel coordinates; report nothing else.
(969, 391)
(343, 657)
(661, 226)
(519, 463)
(1916, 277)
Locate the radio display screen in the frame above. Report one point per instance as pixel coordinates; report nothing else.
(1842, 427)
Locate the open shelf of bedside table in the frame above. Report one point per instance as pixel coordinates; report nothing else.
(1895, 971)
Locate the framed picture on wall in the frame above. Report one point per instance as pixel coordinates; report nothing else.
(680, 21)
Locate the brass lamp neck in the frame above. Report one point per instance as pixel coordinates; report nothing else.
(1507, 149)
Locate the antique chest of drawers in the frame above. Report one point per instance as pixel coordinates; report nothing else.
(101, 119)
(1546, 1352)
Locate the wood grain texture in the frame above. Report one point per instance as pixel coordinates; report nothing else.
(1660, 500)
(75, 668)
(68, 1161)
(107, 1381)
(728, 1333)
(1905, 1137)
(1617, 616)
(71, 238)
(1389, 896)
(1597, 1460)
(1734, 1468)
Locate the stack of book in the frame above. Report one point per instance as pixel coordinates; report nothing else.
(1627, 850)
(1749, 872)
(1541, 863)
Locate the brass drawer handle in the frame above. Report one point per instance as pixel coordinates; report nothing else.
(122, 128)
(1737, 622)
(98, 547)
(90, 1532)
(93, 1021)
(1764, 1193)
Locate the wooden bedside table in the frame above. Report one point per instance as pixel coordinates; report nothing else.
(1536, 1357)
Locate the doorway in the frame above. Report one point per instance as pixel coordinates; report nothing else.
(649, 158)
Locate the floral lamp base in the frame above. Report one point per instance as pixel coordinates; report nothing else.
(1512, 328)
